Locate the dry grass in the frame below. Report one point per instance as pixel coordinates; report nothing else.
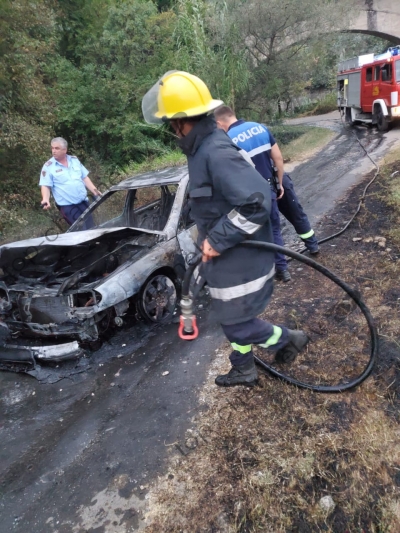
(265, 459)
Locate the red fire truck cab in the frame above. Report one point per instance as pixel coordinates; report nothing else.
(368, 88)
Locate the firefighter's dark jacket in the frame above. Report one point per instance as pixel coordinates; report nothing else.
(230, 202)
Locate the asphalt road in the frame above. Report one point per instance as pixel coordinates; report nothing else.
(111, 426)
(80, 448)
(326, 178)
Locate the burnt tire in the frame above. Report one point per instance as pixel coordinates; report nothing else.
(381, 121)
(158, 298)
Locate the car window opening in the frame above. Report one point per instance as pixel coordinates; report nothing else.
(146, 208)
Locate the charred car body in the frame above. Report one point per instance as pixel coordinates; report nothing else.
(130, 247)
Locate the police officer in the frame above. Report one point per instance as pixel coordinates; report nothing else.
(67, 179)
(260, 144)
(230, 202)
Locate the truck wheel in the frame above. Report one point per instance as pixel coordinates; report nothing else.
(382, 121)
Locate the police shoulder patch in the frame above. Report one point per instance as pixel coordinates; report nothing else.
(49, 162)
(43, 173)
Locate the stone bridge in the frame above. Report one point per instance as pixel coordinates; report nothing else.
(377, 17)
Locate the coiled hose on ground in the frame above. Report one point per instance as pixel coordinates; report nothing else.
(374, 343)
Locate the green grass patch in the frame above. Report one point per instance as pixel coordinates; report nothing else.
(172, 159)
(393, 156)
(307, 144)
(390, 171)
(285, 134)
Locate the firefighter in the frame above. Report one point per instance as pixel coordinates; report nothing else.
(260, 144)
(230, 202)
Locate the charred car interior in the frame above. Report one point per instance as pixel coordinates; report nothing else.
(129, 249)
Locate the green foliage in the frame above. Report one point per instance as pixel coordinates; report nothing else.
(171, 159)
(27, 110)
(190, 37)
(229, 71)
(100, 101)
(165, 5)
(79, 19)
(326, 104)
(326, 53)
(79, 69)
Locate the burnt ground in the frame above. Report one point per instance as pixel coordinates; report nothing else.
(101, 423)
(264, 458)
(81, 451)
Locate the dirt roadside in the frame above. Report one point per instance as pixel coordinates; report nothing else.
(279, 459)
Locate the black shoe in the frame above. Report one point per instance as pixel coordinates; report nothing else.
(297, 342)
(283, 275)
(314, 250)
(239, 375)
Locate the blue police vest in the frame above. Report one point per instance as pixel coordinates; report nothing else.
(257, 141)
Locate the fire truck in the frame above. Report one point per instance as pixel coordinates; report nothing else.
(368, 89)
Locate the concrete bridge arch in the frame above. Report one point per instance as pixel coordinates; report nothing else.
(380, 18)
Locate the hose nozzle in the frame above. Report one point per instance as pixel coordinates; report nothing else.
(188, 329)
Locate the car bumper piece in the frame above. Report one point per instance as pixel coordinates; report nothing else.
(25, 354)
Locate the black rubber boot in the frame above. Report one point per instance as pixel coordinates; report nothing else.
(313, 250)
(297, 342)
(283, 275)
(239, 375)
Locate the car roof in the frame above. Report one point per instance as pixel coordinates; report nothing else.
(155, 177)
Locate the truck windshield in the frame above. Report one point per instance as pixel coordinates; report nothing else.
(397, 63)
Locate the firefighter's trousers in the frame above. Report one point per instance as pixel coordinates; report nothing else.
(292, 210)
(254, 331)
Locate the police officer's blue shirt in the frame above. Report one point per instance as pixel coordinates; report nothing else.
(257, 141)
(66, 183)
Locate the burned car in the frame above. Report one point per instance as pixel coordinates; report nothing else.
(129, 248)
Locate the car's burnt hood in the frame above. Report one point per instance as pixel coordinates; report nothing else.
(71, 239)
(70, 258)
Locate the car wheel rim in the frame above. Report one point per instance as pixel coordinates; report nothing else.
(159, 299)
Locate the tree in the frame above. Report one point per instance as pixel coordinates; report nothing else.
(78, 20)
(100, 99)
(79, 68)
(27, 110)
(275, 35)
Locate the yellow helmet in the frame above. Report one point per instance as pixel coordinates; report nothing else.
(177, 94)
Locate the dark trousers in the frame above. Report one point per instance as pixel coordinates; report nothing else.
(254, 331)
(280, 259)
(292, 210)
(71, 213)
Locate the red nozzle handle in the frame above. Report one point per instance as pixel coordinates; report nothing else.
(188, 336)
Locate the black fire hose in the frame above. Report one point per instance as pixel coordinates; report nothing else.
(188, 328)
